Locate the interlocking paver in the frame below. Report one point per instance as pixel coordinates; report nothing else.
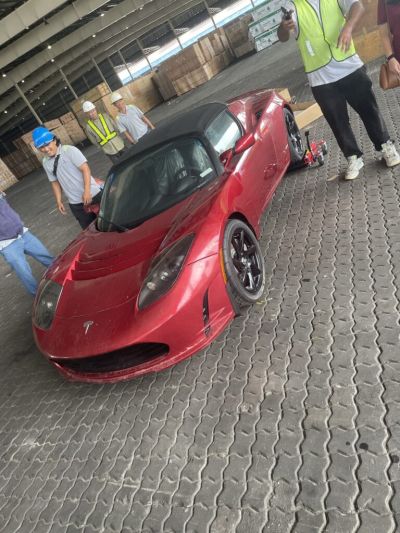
(289, 422)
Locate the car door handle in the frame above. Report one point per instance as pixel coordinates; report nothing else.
(270, 170)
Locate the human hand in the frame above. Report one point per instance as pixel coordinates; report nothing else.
(345, 36)
(394, 66)
(86, 197)
(61, 208)
(287, 25)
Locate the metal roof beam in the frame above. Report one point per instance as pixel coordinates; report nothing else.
(42, 33)
(148, 17)
(24, 16)
(78, 36)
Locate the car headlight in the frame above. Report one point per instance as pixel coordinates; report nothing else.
(164, 272)
(46, 304)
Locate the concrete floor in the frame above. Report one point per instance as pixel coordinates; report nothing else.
(288, 422)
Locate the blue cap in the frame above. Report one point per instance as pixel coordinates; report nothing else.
(41, 136)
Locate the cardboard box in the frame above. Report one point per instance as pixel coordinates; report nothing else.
(265, 9)
(267, 39)
(265, 24)
(305, 113)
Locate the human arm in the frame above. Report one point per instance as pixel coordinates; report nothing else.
(353, 16)
(87, 195)
(129, 137)
(386, 38)
(58, 196)
(148, 122)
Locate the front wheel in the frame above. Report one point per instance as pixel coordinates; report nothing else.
(295, 141)
(243, 263)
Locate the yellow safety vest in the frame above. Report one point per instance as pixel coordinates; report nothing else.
(318, 41)
(107, 135)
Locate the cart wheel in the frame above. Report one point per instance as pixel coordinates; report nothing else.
(320, 160)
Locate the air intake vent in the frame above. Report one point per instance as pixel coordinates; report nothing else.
(123, 359)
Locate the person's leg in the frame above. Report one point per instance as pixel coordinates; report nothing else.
(15, 257)
(34, 247)
(357, 88)
(81, 216)
(334, 108)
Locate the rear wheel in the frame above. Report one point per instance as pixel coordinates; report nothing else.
(244, 264)
(294, 138)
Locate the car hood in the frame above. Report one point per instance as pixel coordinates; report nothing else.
(101, 270)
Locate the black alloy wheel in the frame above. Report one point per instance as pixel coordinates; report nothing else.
(244, 264)
(294, 138)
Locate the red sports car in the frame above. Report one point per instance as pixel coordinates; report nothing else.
(173, 255)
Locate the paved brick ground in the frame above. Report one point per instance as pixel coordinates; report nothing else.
(288, 422)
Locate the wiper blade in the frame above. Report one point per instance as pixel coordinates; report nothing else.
(120, 228)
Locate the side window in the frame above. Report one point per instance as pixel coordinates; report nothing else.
(223, 132)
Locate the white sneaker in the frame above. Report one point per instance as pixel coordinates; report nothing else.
(355, 165)
(390, 154)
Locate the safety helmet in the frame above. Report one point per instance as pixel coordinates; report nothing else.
(42, 136)
(88, 106)
(115, 97)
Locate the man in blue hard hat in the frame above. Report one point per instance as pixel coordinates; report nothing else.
(68, 172)
(16, 241)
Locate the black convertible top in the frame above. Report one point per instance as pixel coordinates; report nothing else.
(187, 123)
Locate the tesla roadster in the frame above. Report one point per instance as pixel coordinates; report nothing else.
(173, 255)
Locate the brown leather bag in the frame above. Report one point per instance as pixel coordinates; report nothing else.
(388, 80)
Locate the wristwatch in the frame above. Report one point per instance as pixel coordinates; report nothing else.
(388, 58)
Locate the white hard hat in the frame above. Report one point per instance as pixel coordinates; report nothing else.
(115, 97)
(88, 106)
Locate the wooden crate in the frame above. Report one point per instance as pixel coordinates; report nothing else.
(145, 93)
(237, 34)
(52, 124)
(75, 132)
(94, 94)
(164, 85)
(7, 177)
(68, 117)
(201, 75)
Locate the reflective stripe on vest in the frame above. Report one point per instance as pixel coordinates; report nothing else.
(107, 135)
(318, 41)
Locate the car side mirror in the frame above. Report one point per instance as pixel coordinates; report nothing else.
(241, 145)
(244, 143)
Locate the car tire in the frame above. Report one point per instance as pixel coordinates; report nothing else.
(244, 265)
(295, 141)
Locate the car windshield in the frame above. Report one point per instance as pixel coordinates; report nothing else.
(153, 182)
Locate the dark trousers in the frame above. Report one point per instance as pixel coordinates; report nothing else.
(355, 90)
(83, 217)
(115, 158)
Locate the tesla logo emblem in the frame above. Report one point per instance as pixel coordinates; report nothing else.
(87, 325)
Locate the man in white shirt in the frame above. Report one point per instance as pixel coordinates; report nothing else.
(130, 119)
(69, 173)
(337, 76)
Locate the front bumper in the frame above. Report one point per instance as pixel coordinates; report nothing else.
(174, 326)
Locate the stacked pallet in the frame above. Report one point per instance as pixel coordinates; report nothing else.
(237, 33)
(72, 128)
(145, 93)
(21, 164)
(266, 18)
(7, 178)
(198, 63)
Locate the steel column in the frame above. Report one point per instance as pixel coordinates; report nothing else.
(25, 99)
